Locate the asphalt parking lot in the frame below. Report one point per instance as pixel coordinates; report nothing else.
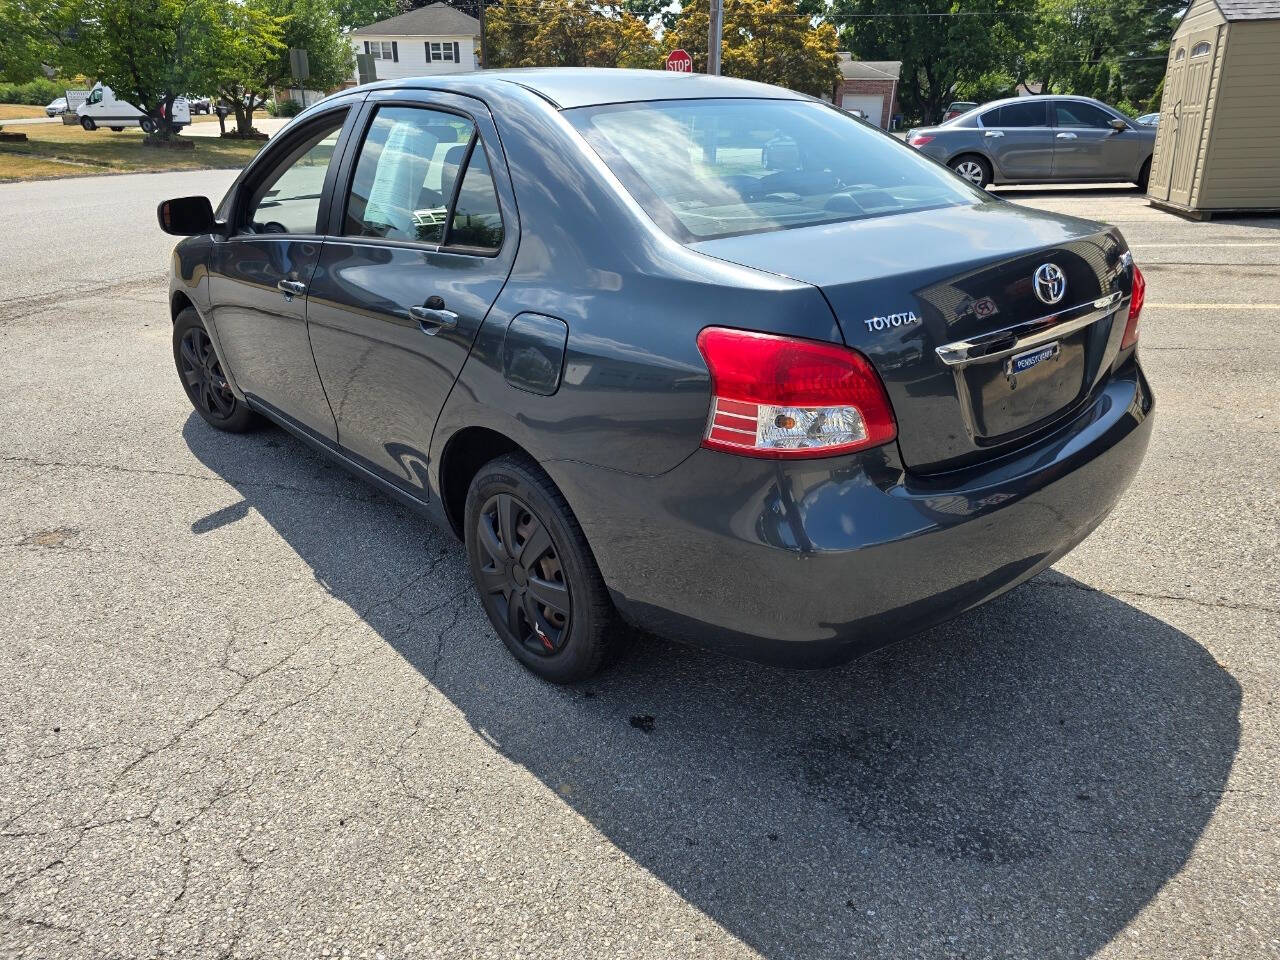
(249, 708)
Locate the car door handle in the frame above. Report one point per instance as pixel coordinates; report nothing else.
(433, 319)
(994, 133)
(1066, 136)
(291, 288)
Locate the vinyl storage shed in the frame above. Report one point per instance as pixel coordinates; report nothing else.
(1218, 143)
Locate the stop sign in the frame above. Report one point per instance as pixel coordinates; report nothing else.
(679, 61)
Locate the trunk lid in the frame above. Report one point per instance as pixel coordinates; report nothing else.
(959, 278)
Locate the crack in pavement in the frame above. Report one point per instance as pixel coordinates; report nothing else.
(187, 475)
(1211, 604)
(19, 308)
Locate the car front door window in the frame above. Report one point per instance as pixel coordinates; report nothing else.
(1082, 115)
(288, 200)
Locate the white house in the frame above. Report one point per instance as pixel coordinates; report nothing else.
(432, 39)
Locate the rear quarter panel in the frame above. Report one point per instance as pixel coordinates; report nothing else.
(634, 391)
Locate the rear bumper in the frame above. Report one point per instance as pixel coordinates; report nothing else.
(810, 563)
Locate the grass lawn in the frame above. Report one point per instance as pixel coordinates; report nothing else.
(54, 150)
(18, 111)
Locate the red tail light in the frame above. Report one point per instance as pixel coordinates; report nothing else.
(919, 139)
(1135, 309)
(781, 397)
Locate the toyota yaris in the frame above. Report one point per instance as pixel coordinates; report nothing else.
(701, 355)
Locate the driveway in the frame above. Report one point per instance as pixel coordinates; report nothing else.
(250, 708)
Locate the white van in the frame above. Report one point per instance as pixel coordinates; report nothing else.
(102, 109)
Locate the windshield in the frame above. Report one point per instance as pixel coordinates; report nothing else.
(718, 168)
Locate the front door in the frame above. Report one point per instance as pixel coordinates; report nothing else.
(259, 290)
(421, 240)
(1018, 139)
(1087, 147)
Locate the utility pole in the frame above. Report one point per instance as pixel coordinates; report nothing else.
(484, 54)
(713, 38)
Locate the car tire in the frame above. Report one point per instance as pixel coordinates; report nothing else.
(200, 373)
(88, 124)
(147, 124)
(973, 168)
(537, 578)
(1144, 175)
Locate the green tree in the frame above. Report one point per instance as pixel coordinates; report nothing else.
(941, 45)
(763, 40)
(256, 59)
(1114, 51)
(148, 52)
(360, 13)
(568, 33)
(32, 33)
(649, 10)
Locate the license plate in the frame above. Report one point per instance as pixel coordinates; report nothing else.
(1022, 362)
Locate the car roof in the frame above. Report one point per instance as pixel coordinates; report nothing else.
(569, 87)
(1042, 96)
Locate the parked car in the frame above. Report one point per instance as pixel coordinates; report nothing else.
(643, 375)
(957, 108)
(102, 109)
(1041, 140)
(1150, 119)
(200, 104)
(56, 107)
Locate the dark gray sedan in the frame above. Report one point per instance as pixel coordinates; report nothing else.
(1041, 140)
(701, 355)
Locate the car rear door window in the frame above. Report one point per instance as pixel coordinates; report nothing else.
(1069, 113)
(477, 220)
(1029, 114)
(1015, 115)
(288, 199)
(406, 174)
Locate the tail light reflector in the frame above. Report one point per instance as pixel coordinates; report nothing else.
(782, 397)
(919, 139)
(1138, 297)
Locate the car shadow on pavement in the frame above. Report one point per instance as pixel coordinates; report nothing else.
(1020, 781)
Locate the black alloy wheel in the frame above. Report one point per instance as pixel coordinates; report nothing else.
(537, 577)
(201, 372)
(521, 576)
(203, 378)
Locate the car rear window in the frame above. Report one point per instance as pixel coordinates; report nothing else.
(719, 168)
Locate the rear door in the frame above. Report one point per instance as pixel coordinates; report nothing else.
(1018, 139)
(421, 238)
(263, 270)
(1087, 147)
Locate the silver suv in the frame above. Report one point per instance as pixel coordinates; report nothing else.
(1041, 140)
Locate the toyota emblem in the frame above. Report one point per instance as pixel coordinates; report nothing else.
(1050, 283)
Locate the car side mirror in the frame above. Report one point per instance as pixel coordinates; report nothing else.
(187, 217)
(1119, 125)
